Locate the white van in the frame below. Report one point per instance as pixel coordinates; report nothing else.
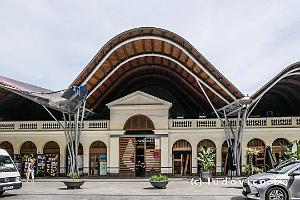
(9, 175)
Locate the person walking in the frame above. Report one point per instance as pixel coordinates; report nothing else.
(30, 170)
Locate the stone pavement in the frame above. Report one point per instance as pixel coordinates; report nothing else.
(125, 189)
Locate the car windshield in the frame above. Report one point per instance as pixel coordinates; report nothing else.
(282, 169)
(6, 164)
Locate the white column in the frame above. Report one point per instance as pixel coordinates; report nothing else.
(194, 160)
(164, 158)
(244, 158)
(114, 155)
(62, 159)
(39, 149)
(86, 159)
(219, 159)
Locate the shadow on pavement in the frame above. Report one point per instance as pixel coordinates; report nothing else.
(234, 187)
(67, 189)
(5, 195)
(149, 188)
(238, 198)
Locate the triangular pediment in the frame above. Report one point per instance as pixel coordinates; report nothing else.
(139, 98)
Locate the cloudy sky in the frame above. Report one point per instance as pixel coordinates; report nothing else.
(48, 43)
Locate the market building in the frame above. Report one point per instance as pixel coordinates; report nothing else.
(151, 101)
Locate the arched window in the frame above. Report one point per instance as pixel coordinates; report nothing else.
(98, 158)
(259, 159)
(51, 158)
(207, 143)
(8, 147)
(28, 148)
(278, 147)
(138, 123)
(28, 151)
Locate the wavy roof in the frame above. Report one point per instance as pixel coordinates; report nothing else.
(150, 55)
(136, 48)
(281, 95)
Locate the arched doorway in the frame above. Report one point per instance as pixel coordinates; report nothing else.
(28, 151)
(8, 147)
(138, 153)
(79, 160)
(98, 158)
(206, 143)
(182, 158)
(277, 148)
(259, 159)
(48, 162)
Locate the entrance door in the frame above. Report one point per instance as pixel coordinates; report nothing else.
(140, 157)
(182, 163)
(182, 158)
(127, 156)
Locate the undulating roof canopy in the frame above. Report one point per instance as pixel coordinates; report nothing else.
(15, 107)
(281, 95)
(165, 65)
(158, 62)
(66, 101)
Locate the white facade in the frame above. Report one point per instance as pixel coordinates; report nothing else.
(166, 133)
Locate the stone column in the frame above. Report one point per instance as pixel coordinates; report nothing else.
(219, 159)
(62, 160)
(86, 159)
(244, 158)
(114, 156)
(164, 146)
(194, 160)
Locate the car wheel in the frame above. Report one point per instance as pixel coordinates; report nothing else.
(276, 193)
(1, 192)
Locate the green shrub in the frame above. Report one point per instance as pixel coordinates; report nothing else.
(250, 170)
(206, 158)
(73, 175)
(159, 178)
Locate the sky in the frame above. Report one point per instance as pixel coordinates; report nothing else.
(48, 43)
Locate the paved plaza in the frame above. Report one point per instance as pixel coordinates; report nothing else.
(124, 189)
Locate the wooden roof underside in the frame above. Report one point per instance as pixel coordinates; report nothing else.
(281, 95)
(148, 47)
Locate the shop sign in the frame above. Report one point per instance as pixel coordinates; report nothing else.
(156, 154)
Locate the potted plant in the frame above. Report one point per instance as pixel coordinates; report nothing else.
(250, 154)
(159, 182)
(74, 183)
(297, 150)
(287, 152)
(206, 159)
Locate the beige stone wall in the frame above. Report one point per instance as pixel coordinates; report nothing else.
(158, 115)
(168, 138)
(40, 138)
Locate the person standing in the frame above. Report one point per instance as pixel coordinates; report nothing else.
(30, 170)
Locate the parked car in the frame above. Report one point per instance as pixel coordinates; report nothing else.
(281, 183)
(9, 174)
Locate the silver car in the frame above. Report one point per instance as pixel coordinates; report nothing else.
(280, 183)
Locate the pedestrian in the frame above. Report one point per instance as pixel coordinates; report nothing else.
(30, 170)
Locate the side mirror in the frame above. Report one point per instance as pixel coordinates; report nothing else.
(295, 173)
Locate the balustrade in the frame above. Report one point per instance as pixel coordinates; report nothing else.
(275, 122)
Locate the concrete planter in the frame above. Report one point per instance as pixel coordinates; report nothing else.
(73, 184)
(205, 175)
(160, 184)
